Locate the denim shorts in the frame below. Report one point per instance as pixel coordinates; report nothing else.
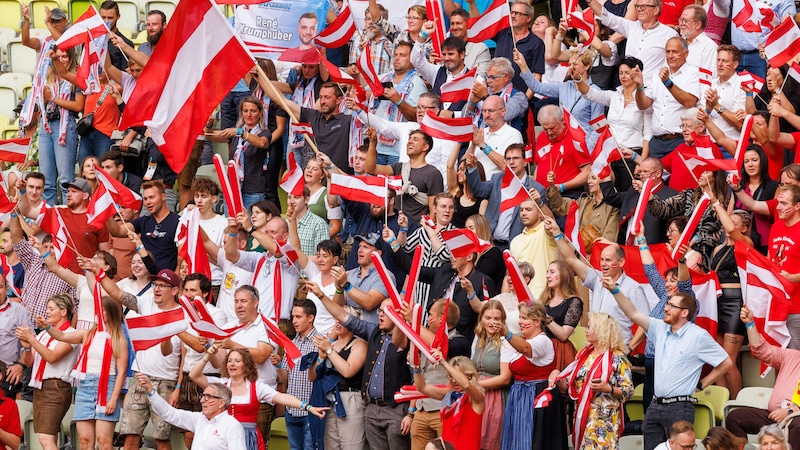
(86, 400)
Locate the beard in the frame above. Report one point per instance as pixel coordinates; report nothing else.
(153, 40)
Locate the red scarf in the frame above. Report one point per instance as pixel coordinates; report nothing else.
(39, 363)
(79, 372)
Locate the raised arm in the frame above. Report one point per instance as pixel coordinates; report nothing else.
(294, 238)
(626, 305)
(337, 311)
(566, 250)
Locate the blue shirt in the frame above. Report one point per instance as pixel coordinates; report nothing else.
(660, 288)
(680, 357)
(364, 329)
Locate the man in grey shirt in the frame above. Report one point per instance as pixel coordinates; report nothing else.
(362, 287)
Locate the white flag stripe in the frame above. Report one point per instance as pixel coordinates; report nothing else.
(207, 37)
(488, 20)
(356, 184)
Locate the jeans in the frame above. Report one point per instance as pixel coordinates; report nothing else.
(249, 199)
(94, 144)
(299, 432)
(649, 381)
(229, 108)
(659, 419)
(56, 161)
(753, 63)
(660, 148)
(385, 160)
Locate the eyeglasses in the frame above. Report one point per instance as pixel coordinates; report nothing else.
(642, 7)
(381, 311)
(207, 397)
(682, 20)
(672, 231)
(688, 446)
(670, 305)
(517, 13)
(413, 18)
(494, 77)
(159, 286)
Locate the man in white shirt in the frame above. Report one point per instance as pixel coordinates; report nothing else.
(681, 436)
(453, 54)
(702, 50)
(645, 36)
(493, 140)
(214, 427)
(725, 97)
(670, 92)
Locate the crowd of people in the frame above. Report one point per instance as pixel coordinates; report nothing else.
(489, 361)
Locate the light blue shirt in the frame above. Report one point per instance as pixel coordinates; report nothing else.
(680, 357)
(747, 41)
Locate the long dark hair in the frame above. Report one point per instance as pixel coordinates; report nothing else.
(763, 165)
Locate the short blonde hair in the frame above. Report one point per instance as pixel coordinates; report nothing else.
(535, 311)
(606, 332)
(467, 367)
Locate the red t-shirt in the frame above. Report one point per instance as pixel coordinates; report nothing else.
(784, 250)
(9, 416)
(681, 178)
(559, 156)
(86, 239)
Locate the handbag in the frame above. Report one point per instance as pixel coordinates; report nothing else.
(588, 232)
(84, 125)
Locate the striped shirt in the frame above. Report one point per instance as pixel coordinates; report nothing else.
(299, 386)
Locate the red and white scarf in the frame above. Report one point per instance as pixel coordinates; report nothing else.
(39, 364)
(101, 332)
(277, 284)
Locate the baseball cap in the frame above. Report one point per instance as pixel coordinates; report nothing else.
(170, 277)
(80, 184)
(370, 238)
(57, 14)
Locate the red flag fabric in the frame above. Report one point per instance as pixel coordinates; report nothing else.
(691, 226)
(512, 191)
(288, 250)
(14, 150)
(53, 224)
(8, 273)
(605, 152)
(521, 288)
(572, 228)
(121, 194)
(413, 275)
(393, 181)
(338, 32)
(495, 19)
(183, 81)
(436, 14)
(365, 189)
(88, 26)
(337, 75)
(293, 182)
(769, 19)
(293, 354)
(598, 123)
(744, 140)
(147, 331)
(224, 182)
(383, 273)
(576, 131)
(440, 339)
(303, 128)
(752, 81)
(190, 246)
(367, 69)
(450, 129)
(584, 21)
(705, 76)
(463, 241)
(458, 88)
(641, 206)
(101, 207)
(234, 178)
(697, 164)
(747, 19)
(782, 43)
(413, 337)
(201, 321)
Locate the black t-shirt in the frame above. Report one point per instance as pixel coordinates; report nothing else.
(159, 238)
(332, 135)
(255, 175)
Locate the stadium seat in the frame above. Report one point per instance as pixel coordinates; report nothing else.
(26, 90)
(754, 397)
(9, 131)
(129, 16)
(78, 7)
(37, 11)
(165, 6)
(717, 397)
(631, 442)
(578, 337)
(16, 80)
(278, 439)
(635, 406)
(703, 418)
(6, 34)
(8, 100)
(751, 371)
(5, 121)
(25, 412)
(21, 58)
(39, 33)
(10, 14)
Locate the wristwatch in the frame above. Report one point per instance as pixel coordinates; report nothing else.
(346, 287)
(721, 109)
(329, 351)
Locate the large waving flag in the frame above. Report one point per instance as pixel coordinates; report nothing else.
(14, 150)
(450, 129)
(572, 228)
(91, 32)
(367, 69)
(363, 189)
(744, 140)
(782, 43)
(747, 19)
(338, 32)
(576, 131)
(463, 241)
(495, 19)
(147, 331)
(605, 152)
(196, 63)
(521, 288)
(202, 322)
(89, 22)
(190, 246)
(293, 182)
(583, 21)
(697, 164)
(54, 225)
(121, 193)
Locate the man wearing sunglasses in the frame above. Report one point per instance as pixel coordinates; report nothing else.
(681, 350)
(214, 428)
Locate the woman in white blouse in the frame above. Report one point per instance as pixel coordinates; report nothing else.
(629, 125)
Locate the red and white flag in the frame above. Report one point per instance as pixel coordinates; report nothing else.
(495, 19)
(367, 69)
(576, 132)
(412, 336)
(413, 276)
(147, 331)
(8, 273)
(463, 241)
(794, 72)
(512, 191)
(450, 129)
(605, 152)
(751, 81)
(635, 222)
(744, 140)
(782, 43)
(694, 221)
(697, 164)
(769, 19)
(6, 207)
(337, 75)
(583, 21)
(293, 181)
(598, 123)
(14, 150)
(572, 228)
(704, 76)
(766, 293)
(521, 288)
(100, 208)
(393, 182)
(747, 19)
(201, 321)
(304, 128)
(440, 338)
(88, 26)
(383, 273)
(193, 68)
(364, 189)
(459, 88)
(436, 14)
(287, 250)
(190, 245)
(529, 153)
(338, 32)
(121, 194)
(54, 225)
(225, 183)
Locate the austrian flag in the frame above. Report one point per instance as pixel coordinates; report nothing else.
(458, 130)
(495, 19)
(363, 189)
(14, 150)
(338, 32)
(459, 88)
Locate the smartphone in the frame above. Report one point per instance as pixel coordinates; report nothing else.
(386, 85)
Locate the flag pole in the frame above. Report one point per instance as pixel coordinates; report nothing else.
(616, 144)
(109, 32)
(386, 200)
(511, 26)
(282, 101)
